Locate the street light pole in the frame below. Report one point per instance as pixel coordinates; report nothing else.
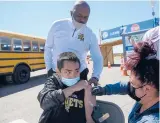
(153, 12)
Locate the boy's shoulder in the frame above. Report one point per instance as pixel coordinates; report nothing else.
(54, 81)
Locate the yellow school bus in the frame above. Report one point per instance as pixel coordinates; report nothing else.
(19, 55)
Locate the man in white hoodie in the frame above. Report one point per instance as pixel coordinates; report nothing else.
(72, 35)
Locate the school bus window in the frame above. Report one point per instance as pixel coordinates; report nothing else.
(26, 45)
(17, 45)
(35, 46)
(42, 47)
(5, 44)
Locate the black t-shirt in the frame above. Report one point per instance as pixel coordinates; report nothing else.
(73, 109)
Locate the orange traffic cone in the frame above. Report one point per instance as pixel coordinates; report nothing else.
(122, 63)
(109, 65)
(121, 67)
(124, 72)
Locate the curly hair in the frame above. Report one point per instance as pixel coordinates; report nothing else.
(144, 64)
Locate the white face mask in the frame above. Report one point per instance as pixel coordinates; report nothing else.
(77, 24)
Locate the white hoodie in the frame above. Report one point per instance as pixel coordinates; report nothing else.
(63, 37)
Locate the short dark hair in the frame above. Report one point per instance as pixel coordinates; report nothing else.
(144, 64)
(66, 56)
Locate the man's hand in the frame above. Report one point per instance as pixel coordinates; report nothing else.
(98, 91)
(83, 84)
(94, 81)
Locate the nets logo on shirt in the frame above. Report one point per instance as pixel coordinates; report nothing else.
(81, 37)
(73, 102)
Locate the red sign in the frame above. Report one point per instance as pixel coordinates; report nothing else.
(135, 27)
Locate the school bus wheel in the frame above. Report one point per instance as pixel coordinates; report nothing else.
(21, 74)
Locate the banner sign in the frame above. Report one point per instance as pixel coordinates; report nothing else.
(117, 32)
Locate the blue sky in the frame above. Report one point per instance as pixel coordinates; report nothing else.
(35, 18)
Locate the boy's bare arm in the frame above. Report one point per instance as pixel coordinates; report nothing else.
(89, 101)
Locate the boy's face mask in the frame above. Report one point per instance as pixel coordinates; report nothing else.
(70, 82)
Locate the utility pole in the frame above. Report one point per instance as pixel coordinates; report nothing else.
(153, 12)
